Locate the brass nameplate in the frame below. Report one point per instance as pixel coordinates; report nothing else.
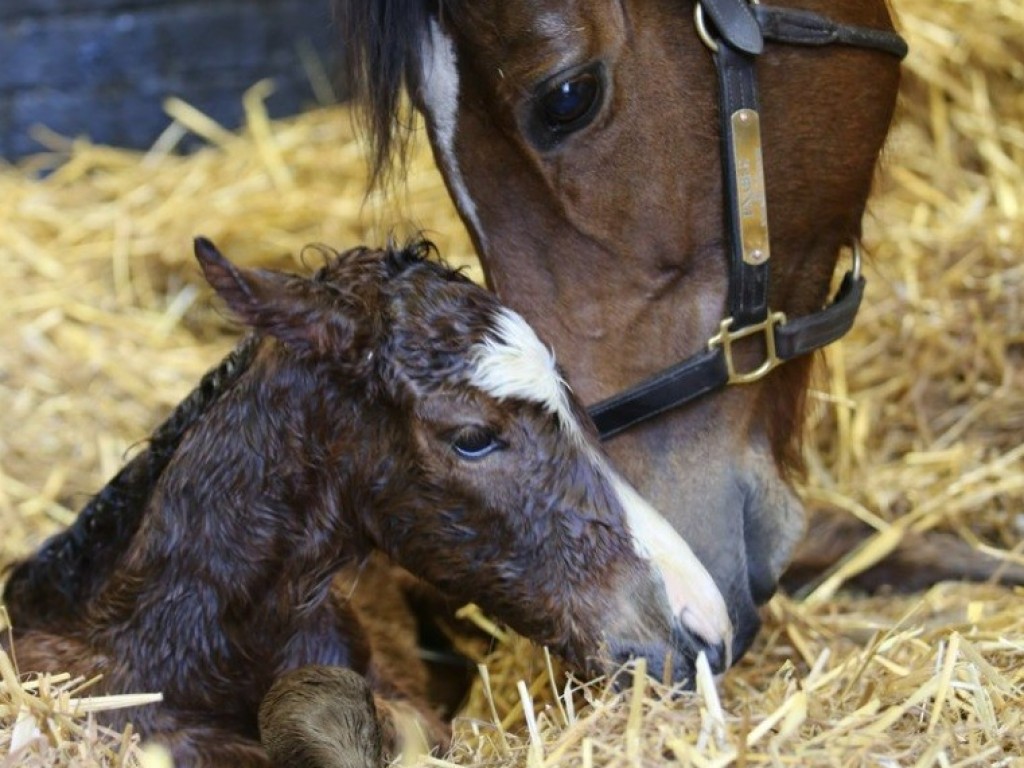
(753, 205)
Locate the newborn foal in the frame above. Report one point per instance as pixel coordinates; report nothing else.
(389, 404)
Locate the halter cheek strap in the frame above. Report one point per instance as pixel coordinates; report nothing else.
(735, 36)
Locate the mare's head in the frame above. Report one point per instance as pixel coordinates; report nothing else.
(453, 444)
(580, 142)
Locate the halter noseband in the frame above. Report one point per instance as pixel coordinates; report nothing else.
(735, 37)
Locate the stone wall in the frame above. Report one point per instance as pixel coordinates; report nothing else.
(102, 68)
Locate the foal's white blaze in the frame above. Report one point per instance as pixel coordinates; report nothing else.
(513, 363)
(439, 78)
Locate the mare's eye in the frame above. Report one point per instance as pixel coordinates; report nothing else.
(475, 442)
(569, 104)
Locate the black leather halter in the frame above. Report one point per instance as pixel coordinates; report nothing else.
(734, 31)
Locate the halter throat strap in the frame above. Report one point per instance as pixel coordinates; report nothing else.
(735, 36)
(797, 27)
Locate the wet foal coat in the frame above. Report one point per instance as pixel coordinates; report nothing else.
(385, 404)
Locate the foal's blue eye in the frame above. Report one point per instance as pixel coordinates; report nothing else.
(475, 443)
(570, 104)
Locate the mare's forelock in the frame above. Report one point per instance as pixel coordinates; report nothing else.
(381, 40)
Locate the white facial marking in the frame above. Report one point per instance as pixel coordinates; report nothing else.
(439, 78)
(692, 593)
(513, 363)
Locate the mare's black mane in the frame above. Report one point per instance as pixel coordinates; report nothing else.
(55, 583)
(381, 41)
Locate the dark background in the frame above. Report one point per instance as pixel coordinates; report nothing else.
(102, 68)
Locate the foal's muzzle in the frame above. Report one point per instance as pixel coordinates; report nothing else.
(674, 663)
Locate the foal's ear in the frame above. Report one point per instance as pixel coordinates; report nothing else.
(284, 307)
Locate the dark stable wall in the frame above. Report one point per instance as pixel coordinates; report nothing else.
(102, 68)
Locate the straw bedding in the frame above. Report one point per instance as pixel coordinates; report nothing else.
(917, 428)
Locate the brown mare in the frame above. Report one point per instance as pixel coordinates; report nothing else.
(385, 404)
(582, 144)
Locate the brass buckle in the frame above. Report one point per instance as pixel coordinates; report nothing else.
(725, 338)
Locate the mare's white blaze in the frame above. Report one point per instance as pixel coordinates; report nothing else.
(439, 78)
(693, 595)
(513, 363)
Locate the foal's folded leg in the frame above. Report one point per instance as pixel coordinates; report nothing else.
(321, 717)
(410, 729)
(212, 748)
(327, 717)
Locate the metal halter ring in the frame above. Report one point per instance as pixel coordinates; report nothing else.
(858, 258)
(702, 28)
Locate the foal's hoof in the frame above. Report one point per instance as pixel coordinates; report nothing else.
(320, 717)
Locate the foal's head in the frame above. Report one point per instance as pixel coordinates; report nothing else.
(457, 449)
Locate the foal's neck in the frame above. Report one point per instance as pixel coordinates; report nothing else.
(50, 589)
(244, 529)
